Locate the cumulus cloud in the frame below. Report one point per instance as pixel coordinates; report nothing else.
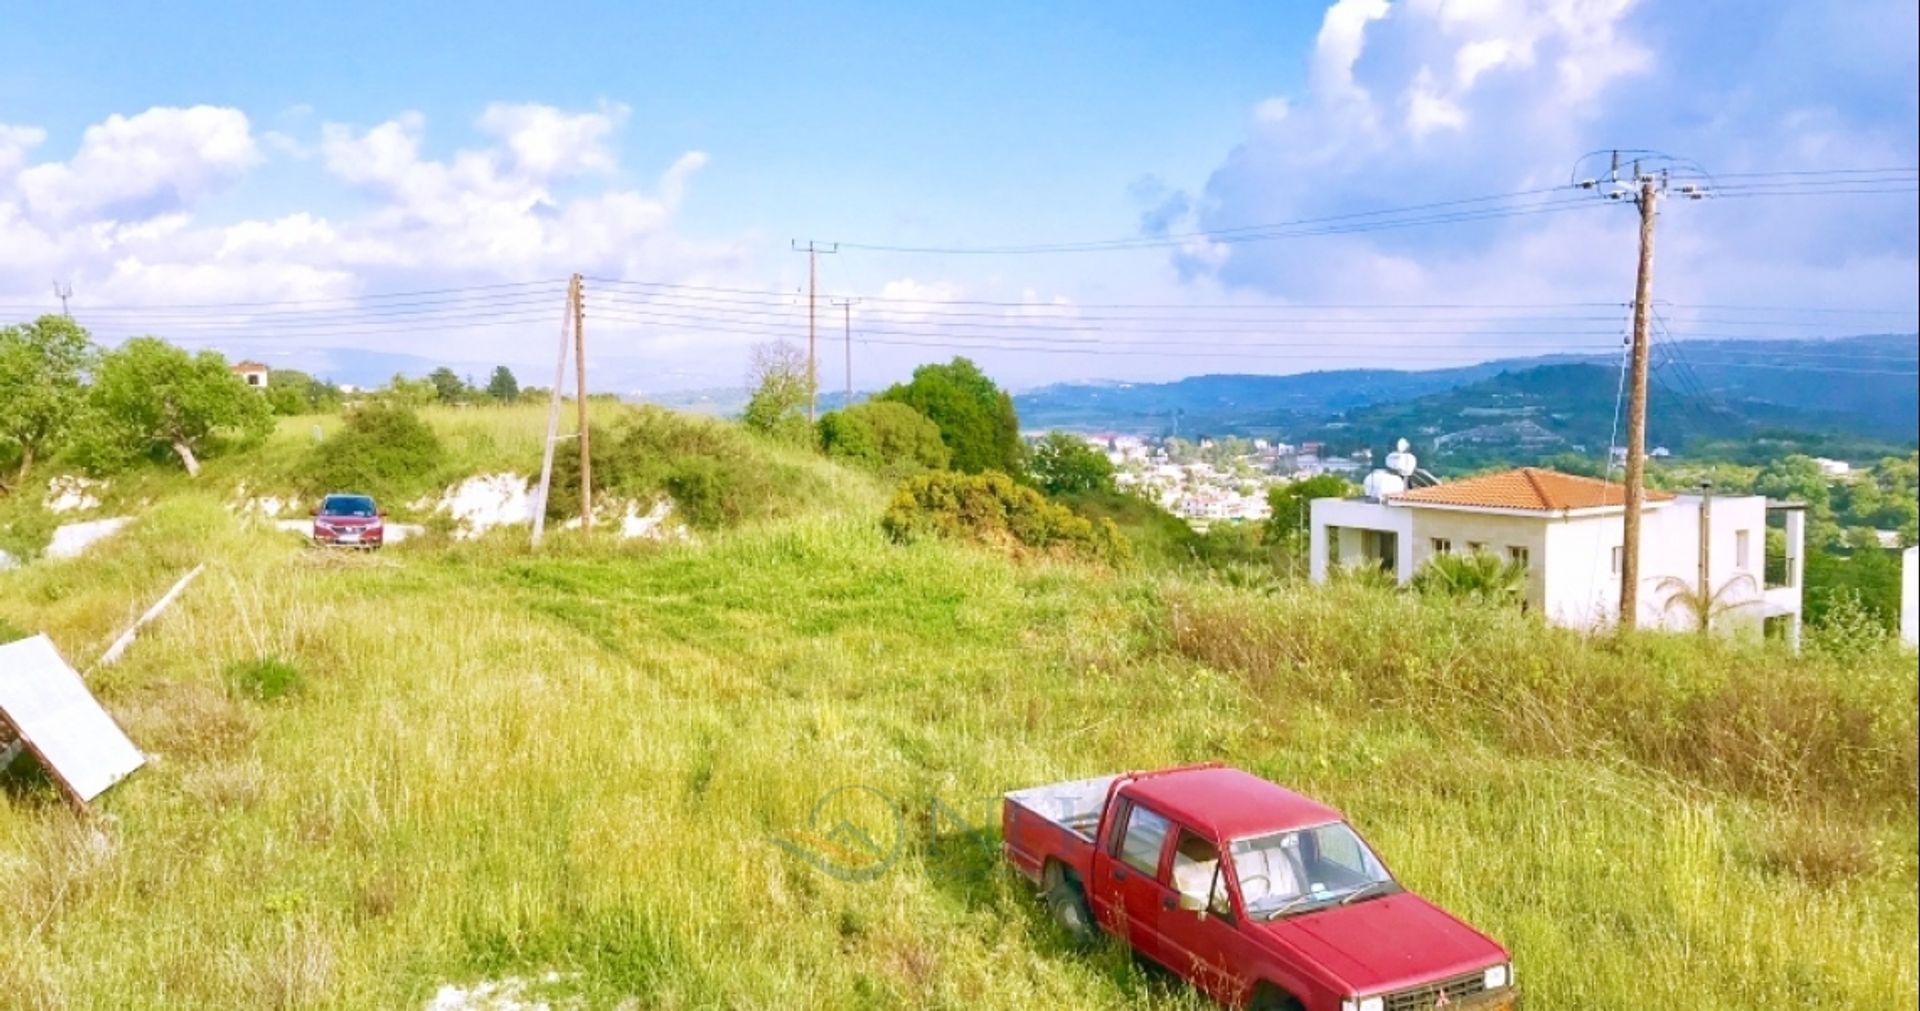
(140, 165)
(1433, 99)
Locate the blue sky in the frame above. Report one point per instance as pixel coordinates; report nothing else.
(216, 154)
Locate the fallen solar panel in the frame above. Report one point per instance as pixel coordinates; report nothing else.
(49, 708)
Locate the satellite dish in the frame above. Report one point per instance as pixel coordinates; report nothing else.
(1381, 484)
(1400, 461)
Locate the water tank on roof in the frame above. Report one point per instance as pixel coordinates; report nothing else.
(1400, 461)
(1382, 483)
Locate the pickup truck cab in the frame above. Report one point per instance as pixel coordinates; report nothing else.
(1258, 896)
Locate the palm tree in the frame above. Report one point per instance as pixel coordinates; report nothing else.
(1704, 606)
(1479, 576)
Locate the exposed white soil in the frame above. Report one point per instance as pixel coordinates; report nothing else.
(72, 539)
(485, 501)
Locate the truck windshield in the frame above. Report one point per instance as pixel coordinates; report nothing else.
(1303, 869)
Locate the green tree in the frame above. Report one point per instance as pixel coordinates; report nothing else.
(149, 397)
(1292, 504)
(975, 417)
(409, 392)
(40, 390)
(382, 448)
(1798, 478)
(502, 387)
(884, 436)
(781, 393)
(1063, 464)
(448, 387)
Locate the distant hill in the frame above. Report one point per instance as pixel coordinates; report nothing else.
(1862, 387)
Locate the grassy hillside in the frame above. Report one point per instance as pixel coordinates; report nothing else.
(625, 765)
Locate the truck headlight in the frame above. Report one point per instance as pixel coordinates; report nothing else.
(1497, 977)
(1364, 1004)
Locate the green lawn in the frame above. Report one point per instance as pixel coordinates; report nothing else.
(609, 764)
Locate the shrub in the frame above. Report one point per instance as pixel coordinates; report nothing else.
(975, 417)
(717, 474)
(1063, 464)
(990, 508)
(265, 679)
(1480, 576)
(382, 449)
(884, 436)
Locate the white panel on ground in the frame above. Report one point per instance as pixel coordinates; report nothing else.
(60, 721)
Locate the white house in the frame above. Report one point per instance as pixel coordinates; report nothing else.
(1910, 596)
(1568, 532)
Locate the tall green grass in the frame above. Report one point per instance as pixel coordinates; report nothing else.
(609, 763)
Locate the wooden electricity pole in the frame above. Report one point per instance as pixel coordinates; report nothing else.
(580, 395)
(813, 250)
(1637, 408)
(846, 338)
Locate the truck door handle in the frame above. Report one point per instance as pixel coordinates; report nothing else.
(1166, 903)
(1119, 875)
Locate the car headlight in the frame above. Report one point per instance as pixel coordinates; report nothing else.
(1498, 976)
(1364, 1004)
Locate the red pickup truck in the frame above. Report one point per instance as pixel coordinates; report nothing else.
(1300, 915)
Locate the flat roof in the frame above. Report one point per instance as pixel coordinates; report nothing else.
(1229, 803)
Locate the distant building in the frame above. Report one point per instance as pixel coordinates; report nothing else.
(1567, 532)
(1834, 468)
(252, 373)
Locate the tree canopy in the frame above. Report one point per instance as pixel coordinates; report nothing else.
(1292, 503)
(975, 417)
(781, 393)
(1063, 464)
(149, 397)
(40, 386)
(884, 436)
(502, 387)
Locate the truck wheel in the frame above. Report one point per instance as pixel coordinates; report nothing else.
(1068, 904)
(1267, 997)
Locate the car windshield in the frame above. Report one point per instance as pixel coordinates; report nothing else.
(1303, 869)
(347, 505)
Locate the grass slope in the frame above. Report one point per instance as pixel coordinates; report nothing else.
(626, 765)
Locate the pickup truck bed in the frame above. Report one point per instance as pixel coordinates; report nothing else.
(1058, 819)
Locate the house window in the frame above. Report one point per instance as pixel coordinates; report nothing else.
(1619, 558)
(1475, 547)
(1517, 555)
(1742, 543)
(1442, 546)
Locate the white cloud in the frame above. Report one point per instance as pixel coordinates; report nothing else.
(547, 142)
(15, 142)
(1271, 111)
(164, 157)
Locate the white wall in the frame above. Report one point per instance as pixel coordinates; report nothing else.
(1910, 597)
(1348, 517)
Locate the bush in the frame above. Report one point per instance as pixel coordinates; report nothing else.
(884, 436)
(716, 473)
(1481, 576)
(1064, 464)
(383, 449)
(265, 679)
(975, 417)
(992, 509)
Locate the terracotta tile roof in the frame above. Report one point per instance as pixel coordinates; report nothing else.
(1529, 488)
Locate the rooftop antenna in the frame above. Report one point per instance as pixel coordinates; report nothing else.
(63, 291)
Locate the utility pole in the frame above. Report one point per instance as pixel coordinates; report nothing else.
(1644, 188)
(1637, 408)
(813, 249)
(846, 337)
(63, 291)
(553, 418)
(580, 395)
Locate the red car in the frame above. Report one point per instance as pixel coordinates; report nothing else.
(1299, 915)
(349, 521)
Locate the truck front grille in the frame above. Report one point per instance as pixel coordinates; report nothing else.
(1429, 996)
